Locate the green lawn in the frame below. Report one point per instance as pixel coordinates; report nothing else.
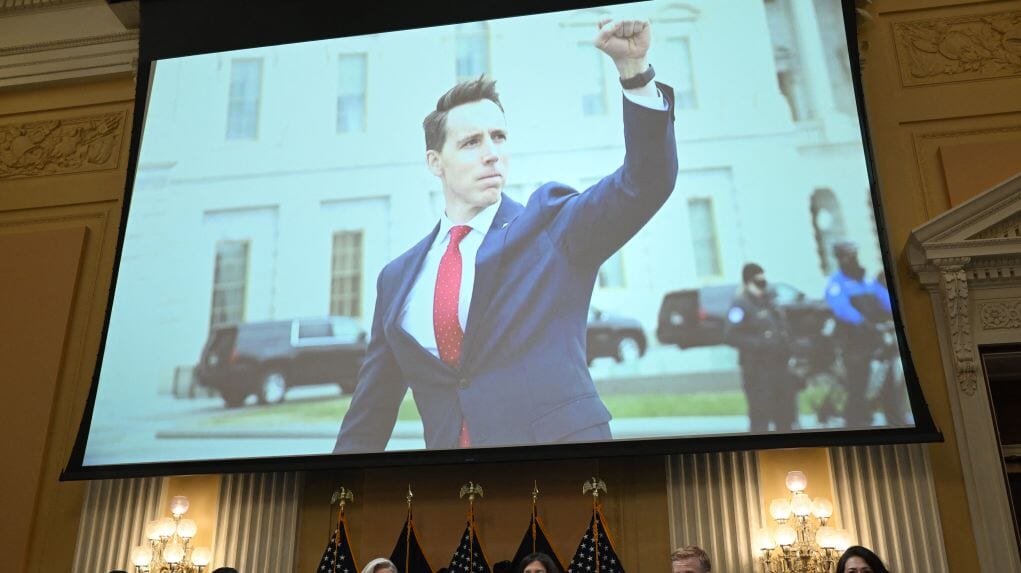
(730, 403)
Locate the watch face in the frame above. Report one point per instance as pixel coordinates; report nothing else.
(639, 80)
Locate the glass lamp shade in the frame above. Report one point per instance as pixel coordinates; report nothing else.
(152, 530)
(186, 528)
(780, 508)
(822, 508)
(785, 535)
(179, 505)
(173, 552)
(165, 526)
(764, 540)
(801, 504)
(796, 481)
(825, 537)
(141, 556)
(201, 556)
(841, 540)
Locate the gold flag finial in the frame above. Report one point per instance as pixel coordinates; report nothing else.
(535, 492)
(593, 485)
(471, 489)
(343, 495)
(409, 496)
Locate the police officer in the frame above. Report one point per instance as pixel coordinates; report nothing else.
(863, 311)
(758, 329)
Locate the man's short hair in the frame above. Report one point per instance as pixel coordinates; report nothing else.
(435, 124)
(750, 271)
(693, 551)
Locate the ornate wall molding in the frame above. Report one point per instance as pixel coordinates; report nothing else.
(953, 282)
(61, 146)
(959, 48)
(1000, 314)
(1005, 229)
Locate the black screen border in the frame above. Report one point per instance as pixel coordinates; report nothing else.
(175, 28)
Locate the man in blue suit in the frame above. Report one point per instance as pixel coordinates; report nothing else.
(485, 318)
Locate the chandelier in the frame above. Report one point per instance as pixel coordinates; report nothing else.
(167, 546)
(801, 542)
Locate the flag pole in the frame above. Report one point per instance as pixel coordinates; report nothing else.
(594, 485)
(535, 498)
(407, 535)
(471, 489)
(342, 495)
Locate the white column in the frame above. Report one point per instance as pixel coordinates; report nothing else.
(812, 57)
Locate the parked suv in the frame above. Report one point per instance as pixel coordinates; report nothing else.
(266, 358)
(619, 337)
(697, 317)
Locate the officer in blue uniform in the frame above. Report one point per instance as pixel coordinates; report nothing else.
(758, 329)
(863, 311)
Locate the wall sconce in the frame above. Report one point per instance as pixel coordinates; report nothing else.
(167, 544)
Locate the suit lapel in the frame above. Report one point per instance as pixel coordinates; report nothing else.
(416, 257)
(487, 270)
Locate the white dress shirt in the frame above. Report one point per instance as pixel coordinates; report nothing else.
(417, 313)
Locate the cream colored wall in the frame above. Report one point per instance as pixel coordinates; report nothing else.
(58, 228)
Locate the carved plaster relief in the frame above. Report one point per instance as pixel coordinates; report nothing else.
(953, 281)
(61, 146)
(1000, 314)
(959, 48)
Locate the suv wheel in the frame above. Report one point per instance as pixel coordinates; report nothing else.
(272, 388)
(233, 398)
(628, 349)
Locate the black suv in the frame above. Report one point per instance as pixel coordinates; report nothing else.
(619, 337)
(266, 358)
(697, 317)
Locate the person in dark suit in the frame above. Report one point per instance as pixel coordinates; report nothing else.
(485, 318)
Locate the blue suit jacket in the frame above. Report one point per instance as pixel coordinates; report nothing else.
(523, 377)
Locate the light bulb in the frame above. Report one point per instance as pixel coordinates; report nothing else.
(186, 528)
(796, 481)
(141, 556)
(785, 535)
(152, 530)
(822, 508)
(764, 540)
(173, 552)
(826, 537)
(780, 509)
(801, 504)
(179, 505)
(165, 526)
(201, 556)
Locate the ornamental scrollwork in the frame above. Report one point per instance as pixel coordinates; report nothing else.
(61, 146)
(959, 48)
(954, 282)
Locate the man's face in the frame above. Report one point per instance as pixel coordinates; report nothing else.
(687, 565)
(474, 158)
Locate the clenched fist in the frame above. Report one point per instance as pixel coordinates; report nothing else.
(627, 43)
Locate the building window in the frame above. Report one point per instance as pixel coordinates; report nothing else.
(243, 104)
(346, 274)
(611, 274)
(828, 224)
(351, 93)
(680, 73)
(472, 44)
(592, 80)
(704, 239)
(230, 282)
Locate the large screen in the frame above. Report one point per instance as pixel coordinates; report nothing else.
(637, 227)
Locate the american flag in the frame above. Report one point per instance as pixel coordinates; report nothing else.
(338, 558)
(595, 553)
(407, 555)
(469, 557)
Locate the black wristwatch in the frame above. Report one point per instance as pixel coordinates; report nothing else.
(639, 80)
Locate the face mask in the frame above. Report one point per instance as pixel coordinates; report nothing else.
(761, 284)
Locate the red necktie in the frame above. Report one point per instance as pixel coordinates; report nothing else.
(446, 300)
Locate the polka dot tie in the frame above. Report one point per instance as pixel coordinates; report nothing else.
(446, 300)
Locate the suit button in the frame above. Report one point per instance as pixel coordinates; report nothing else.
(463, 383)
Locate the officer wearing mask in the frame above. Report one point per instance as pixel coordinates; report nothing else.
(758, 329)
(863, 311)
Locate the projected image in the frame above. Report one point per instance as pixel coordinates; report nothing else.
(477, 236)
